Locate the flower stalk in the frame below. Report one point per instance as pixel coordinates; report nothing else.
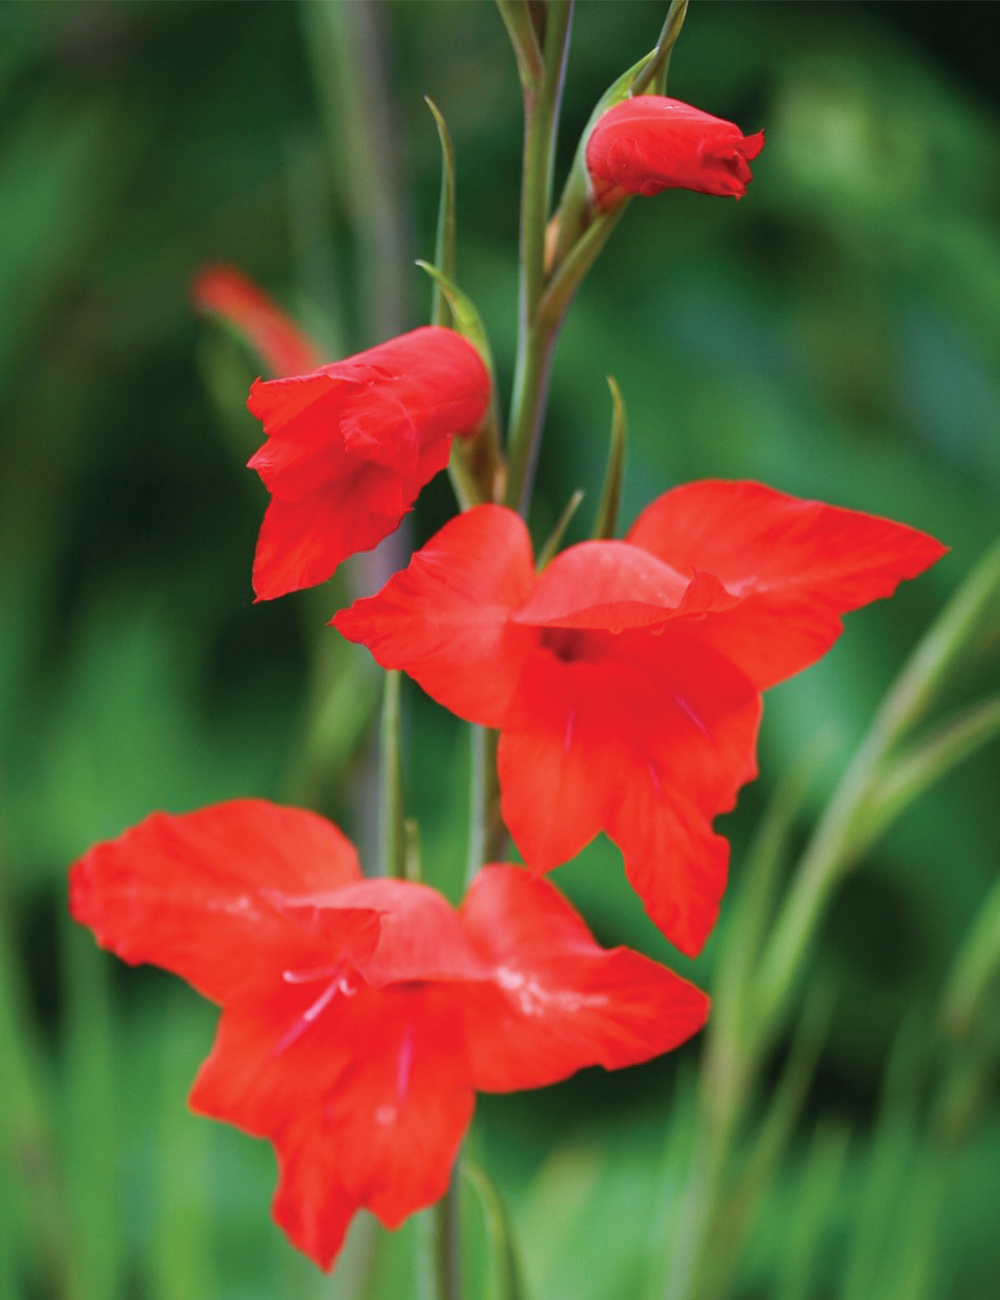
(536, 338)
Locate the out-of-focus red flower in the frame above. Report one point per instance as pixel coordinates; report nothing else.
(351, 444)
(226, 292)
(625, 679)
(652, 143)
(359, 1016)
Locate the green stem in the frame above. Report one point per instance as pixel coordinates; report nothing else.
(447, 1238)
(487, 834)
(392, 831)
(534, 345)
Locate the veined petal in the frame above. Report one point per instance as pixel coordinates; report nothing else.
(367, 1107)
(614, 585)
(645, 720)
(214, 895)
(445, 619)
(302, 542)
(560, 1002)
(798, 565)
(420, 937)
(674, 861)
(279, 404)
(553, 763)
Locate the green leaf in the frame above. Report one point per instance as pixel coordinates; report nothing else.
(952, 637)
(976, 968)
(506, 1270)
(91, 1137)
(652, 78)
(27, 1146)
(905, 777)
(517, 19)
(815, 1205)
(475, 462)
(184, 1237)
(467, 319)
(555, 537)
(607, 513)
(892, 1153)
(444, 249)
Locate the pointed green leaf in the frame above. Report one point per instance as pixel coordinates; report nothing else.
(444, 249)
(606, 522)
(652, 78)
(517, 19)
(475, 462)
(555, 537)
(467, 320)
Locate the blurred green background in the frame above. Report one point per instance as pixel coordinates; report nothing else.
(835, 334)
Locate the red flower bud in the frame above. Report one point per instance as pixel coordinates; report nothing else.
(351, 444)
(653, 143)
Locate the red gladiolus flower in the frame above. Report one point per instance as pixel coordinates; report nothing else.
(625, 679)
(652, 143)
(281, 345)
(351, 444)
(359, 1016)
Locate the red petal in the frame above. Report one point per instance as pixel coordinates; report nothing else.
(674, 861)
(367, 1107)
(655, 722)
(434, 373)
(798, 565)
(281, 403)
(292, 1041)
(302, 542)
(650, 143)
(214, 895)
(420, 938)
(554, 764)
(616, 586)
(445, 619)
(350, 445)
(281, 345)
(561, 1002)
